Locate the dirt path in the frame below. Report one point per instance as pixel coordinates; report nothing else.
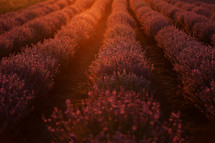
(72, 83)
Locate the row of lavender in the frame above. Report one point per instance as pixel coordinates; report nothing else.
(193, 61)
(204, 10)
(31, 73)
(120, 106)
(10, 20)
(35, 6)
(208, 4)
(38, 29)
(196, 25)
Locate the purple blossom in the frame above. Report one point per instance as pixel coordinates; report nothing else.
(38, 29)
(196, 70)
(13, 19)
(36, 67)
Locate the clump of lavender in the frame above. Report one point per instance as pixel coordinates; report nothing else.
(193, 21)
(116, 110)
(14, 100)
(120, 55)
(118, 81)
(196, 71)
(104, 115)
(35, 68)
(39, 28)
(18, 18)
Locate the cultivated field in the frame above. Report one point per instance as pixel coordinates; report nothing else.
(12, 5)
(121, 71)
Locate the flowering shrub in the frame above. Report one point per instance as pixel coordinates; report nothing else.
(82, 26)
(15, 99)
(121, 18)
(16, 38)
(204, 31)
(118, 81)
(137, 4)
(165, 8)
(32, 66)
(8, 21)
(145, 10)
(196, 70)
(185, 6)
(60, 48)
(81, 30)
(38, 29)
(122, 7)
(104, 115)
(174, 41)
(170, 11)
(151, 21)
(189, 21)
(119, 30)
(29, 74)
(120, 51)
(120, 55)
(36, 67)
(202, 11)
(116, 110)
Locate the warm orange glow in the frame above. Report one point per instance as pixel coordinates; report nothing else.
(107, 71)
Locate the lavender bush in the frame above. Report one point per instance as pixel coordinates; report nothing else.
(194, 63)
(196, 70)
(118, 55)
(114, 117)
(113, 112)
(36, 67)
(8, 21)
(189, 21)
(39, 28)
(15, 98)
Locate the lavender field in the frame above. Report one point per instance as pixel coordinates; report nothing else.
(107, 71)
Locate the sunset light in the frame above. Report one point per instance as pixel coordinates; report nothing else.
(107, 71)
